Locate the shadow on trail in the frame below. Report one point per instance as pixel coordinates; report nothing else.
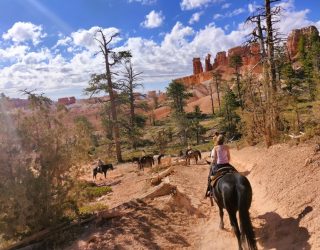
(143, 224)
(283, 233)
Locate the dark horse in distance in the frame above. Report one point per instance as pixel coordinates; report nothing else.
(232, 191)
(145, 161)
(192, 154)
(102, 169)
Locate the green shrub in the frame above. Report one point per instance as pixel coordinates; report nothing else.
(92, 208)
(94, 192)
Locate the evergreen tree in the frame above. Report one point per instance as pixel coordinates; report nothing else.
(104, 82)
(236, 63)
(230, 120)
(178, 95)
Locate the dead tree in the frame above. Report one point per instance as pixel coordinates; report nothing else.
(267, 36)
(104, 82)
(211, 97)
(217, 79)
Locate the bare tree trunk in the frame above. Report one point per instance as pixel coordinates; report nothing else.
(113, 113)
(270, 45)
(238, 87)
(115, 125)
(275, 119)
(218, 94)
(211, 97)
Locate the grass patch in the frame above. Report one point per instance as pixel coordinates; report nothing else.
(210, 123)
(94, 192)
(92, 208)
(88, 191)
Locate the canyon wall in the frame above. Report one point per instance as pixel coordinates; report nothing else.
(250, 59)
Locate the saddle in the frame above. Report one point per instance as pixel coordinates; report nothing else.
(220, 173)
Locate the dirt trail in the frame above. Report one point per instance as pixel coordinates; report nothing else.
(186, 220)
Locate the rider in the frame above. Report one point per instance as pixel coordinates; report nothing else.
(220, 156)
(100, 163)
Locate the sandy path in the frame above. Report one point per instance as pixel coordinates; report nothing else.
(166, 223)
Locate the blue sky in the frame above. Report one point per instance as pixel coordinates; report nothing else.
(48, 45)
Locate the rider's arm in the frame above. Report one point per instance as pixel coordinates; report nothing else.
(228, 153)
(214, 156)
(211, 154)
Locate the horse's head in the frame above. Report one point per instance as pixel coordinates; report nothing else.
(135, 159)
(208, 162)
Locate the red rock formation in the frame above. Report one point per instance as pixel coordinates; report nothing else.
(19, 103)
(221, 59)
(72, 100)
(197, 66)
(67, 100)
(294, 37)
(250, 58)
(208, 65)
(151, 94)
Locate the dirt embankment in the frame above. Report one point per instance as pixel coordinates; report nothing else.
(284, 212)
(286, 183)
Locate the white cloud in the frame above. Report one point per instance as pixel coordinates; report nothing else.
(217, 16)
(13, 53)
(225, 5)
(229, 14)
(317, 24)
(24, 31)
(37, 57)
(49, 70)
(252, 7)
(235, 12)
(195, 17)
(292, 19)
(143, 2)
(83, 38)
(63, 42)
(193, 4)
(153, 20)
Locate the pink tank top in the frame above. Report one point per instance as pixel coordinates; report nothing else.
(222, 155)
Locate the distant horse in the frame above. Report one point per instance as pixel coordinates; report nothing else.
(195, 154)
(145, 161)
(232, 191)
(102, 169)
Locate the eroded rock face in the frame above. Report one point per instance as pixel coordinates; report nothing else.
(197, 66)
(208, 65)
(250, 59)
(221, 59)
(67, 100)
(294, 37)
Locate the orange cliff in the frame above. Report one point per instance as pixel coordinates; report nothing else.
(250, 58)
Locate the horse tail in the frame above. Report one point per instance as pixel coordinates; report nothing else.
(159, 158)
(246, 227)
(199, 153)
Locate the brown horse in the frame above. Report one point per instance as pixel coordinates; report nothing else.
(145, 161)
(192, 154)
